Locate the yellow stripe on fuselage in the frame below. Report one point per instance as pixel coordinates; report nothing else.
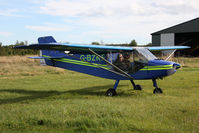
(162, 67)
(149, 68)
(80, 62)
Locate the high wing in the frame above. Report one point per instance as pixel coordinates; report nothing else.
(80, 48)
(75, 48)
(49, 43)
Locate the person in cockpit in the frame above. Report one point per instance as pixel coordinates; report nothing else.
(123, 62)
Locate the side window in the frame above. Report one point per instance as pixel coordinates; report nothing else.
(129, 62)
(123, 61)
(112, 57)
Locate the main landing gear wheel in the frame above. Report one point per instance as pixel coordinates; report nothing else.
(138, 87)
(157, 91)
(110, 92)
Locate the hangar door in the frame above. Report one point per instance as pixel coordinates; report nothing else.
(167, 40)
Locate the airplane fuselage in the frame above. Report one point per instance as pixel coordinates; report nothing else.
(92, 65)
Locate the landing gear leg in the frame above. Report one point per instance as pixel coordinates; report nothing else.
(156, 90)
(136, 87)
(112, 91)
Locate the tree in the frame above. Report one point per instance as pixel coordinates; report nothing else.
(2, 51)
(149, 45)
(95, 43)
(133, 43)
(8, 50)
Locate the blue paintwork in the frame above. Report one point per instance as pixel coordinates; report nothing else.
(116, 84)
(104, 73)
(159, 62)
(153, 74)
(79, 48)
(99, 72)
(56, 55)
(167, 48)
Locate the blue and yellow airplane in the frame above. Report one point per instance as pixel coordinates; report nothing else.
(110, 62)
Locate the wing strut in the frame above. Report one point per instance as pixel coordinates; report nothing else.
(170, 55)
(121, 71)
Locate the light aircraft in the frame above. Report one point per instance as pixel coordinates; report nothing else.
(110, 62)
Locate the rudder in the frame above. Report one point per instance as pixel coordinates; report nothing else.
(46, 39)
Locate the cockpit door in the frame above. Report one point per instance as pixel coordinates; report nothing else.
(132, 62)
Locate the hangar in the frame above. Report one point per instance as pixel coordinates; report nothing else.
(186, 33)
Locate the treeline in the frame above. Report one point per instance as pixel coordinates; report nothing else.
(8, 50)
(133, 43)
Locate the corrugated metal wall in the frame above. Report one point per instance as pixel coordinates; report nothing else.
(156, 40)
(167, 39)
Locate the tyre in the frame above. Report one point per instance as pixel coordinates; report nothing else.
(110, 92)
(157, 91)
(138, 87)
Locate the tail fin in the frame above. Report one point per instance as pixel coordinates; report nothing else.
(46, 39)
(49, 53)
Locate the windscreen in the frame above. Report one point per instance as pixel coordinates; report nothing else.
(144, 54)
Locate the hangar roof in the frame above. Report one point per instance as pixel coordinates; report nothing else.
(189, 26)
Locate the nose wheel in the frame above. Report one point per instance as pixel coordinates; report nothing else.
(156, 90)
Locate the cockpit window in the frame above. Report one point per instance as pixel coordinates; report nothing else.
(123, 62)
(144, 54)
(130, 62)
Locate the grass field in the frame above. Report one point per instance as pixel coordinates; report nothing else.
(37, 98)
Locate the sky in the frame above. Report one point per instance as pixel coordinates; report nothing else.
(87, 21)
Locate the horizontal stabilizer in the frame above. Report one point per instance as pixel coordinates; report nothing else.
(42, 57)
(37, 57)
